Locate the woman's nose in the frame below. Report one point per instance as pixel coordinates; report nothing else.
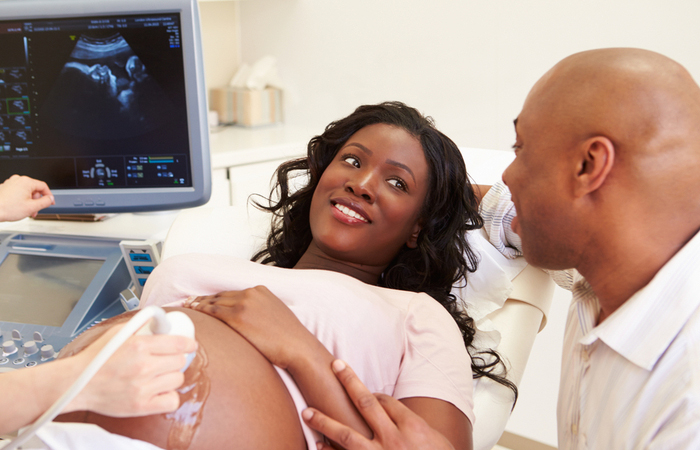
(362, 186)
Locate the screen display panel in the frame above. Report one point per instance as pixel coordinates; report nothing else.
(43, 290)
(94, 102)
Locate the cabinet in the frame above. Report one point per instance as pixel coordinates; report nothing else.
(244, 159)
(250, 179)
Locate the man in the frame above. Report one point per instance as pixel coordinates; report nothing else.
(605, 181)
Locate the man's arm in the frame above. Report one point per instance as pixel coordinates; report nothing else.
(481, 190)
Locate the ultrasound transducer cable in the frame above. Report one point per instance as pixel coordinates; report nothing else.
(171, 323)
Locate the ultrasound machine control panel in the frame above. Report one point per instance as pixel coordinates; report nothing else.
(52, 288)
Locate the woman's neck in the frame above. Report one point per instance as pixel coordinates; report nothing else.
(315, 258)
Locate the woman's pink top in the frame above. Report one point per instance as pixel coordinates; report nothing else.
(400, 343)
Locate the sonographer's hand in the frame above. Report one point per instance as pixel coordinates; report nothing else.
(395, 426)
(141, 377)
(22, 197)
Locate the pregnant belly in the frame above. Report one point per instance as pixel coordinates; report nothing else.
(232, 397)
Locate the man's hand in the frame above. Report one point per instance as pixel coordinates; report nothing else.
(395, 426)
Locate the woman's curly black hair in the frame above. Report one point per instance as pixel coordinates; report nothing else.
(442, 257)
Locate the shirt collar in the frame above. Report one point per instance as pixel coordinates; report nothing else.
(645, 325)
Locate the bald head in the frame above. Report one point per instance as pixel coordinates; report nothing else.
(646, 104)
(608, 146)
(608, 169)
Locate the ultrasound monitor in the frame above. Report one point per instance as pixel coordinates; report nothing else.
(104, 100)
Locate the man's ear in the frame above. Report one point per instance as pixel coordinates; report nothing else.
(595, 160)
(413, 238)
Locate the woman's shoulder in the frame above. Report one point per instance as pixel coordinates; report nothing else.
(181, 276)
(208, 262)
(413, 302)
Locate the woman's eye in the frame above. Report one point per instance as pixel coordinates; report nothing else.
(350, 159)
(398, 183)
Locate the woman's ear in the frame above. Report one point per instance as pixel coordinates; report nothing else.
(595, 160)
(413, 238)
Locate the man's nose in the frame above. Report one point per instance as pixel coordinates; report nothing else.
(506, 174)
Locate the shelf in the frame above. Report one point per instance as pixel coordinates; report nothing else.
(236, 146)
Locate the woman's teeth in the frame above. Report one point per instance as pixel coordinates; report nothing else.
(349, 212)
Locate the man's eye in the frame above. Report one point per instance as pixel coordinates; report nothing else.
(350, 159)
(398, 183)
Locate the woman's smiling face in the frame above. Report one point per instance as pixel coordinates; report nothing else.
(367, 204)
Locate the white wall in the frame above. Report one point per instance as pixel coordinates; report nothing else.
(220, 40)
(468, 63)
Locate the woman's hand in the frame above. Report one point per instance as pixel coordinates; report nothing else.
(267, 323)
(264, 320)
(395, 426)
(22, 197)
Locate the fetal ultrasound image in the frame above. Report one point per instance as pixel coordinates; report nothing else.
(16, 89)
(17, 105)
(15, 74)
(104, 91)
(21, 137)
(19, 121)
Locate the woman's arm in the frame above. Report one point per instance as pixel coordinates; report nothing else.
(267, 323)
(395, 427)
(445, 418)
(28, 392)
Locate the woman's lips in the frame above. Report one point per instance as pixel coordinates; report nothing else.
(349, 212)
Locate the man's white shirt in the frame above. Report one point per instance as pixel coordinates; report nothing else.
(632, 382)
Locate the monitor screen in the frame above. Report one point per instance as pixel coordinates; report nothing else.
(105, 101)
(42, 290)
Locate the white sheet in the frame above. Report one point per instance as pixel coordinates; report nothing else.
(488, 288)
(80, 436)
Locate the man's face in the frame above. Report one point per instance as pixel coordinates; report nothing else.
(537, 179)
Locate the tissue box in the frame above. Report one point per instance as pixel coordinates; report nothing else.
(248, 107)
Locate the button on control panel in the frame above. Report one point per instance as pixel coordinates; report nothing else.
(141, 258)
(30, 348)
(47, 352)
(17, 352)
(9, 348)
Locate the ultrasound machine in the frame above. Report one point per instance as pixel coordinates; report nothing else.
(104, 100)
